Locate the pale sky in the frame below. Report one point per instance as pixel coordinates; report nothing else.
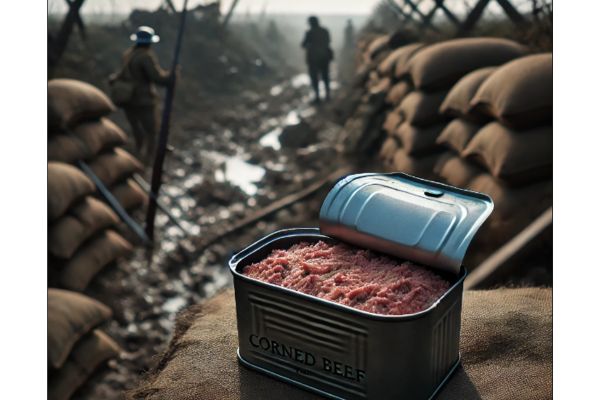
(253, 6)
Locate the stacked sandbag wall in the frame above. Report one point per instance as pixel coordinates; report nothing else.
(424, 74)
(83, 230)
(361, 105)
(502, 141)
(474, 112)
(77, 346)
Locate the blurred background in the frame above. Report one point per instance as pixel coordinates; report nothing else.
(458, 91)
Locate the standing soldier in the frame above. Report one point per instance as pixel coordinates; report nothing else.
(133, 89)
(349, 35)
(318, 55)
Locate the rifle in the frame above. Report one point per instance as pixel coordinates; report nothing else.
(164, 133)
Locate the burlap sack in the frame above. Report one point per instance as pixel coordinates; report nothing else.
(514, 208)
(70, 316)
(408, 51)
(418, 141)
(392, 120)
(100, 135)
(519, 93)
(88, 354)
(129, 194)
(388, 149)
(506, 350)
(442, 64)
(421, 108)
(66, 185)
(91, 257)
(115, 165)
(505, 347)
(71, 101)
(68, 232)
(457, 171)
(381, 87)
(515, 157)
(377, 46)
(457, 134)
(398, 92)
(386, 67)
(418, 166)
(389, 65)
(67, 149)
(458, 101)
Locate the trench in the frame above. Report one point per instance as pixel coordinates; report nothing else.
(213, 177)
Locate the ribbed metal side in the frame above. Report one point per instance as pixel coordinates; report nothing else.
(324, 333)
(444, 344)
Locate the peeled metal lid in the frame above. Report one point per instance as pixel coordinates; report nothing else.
(411, 218)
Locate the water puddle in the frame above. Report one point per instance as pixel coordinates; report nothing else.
(292, 118)
(276, 90)
(239, 173)
(271, 139)
(174, 304)
(300, 80)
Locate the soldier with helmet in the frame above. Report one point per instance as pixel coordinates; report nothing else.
(134, 89)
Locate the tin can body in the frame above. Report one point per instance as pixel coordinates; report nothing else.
(338, 351)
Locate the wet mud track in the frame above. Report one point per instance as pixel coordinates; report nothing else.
(215, 175)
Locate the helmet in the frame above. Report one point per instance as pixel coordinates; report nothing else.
(144, 35)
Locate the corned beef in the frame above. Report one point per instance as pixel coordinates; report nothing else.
(351, 276)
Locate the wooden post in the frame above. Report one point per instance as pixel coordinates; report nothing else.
(229, 13)
(497, 262)
(114, 204)
(163, 138)
(512, 12)
(425, 22)
(473, 17)
(57, 46)
(440, 4)
(399, 11)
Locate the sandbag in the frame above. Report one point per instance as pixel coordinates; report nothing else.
(129, 194)
(457, 134)
(381, 87)
(398, 92)
(458, 101)
(100, 135)
(71, 102)
(519, 94)
(392, 120)
(418, 166)
(408, 51)
(516, 157)
(87, 217)
(400, 55)
(457, 171)
(440, 65)
(67, 149)
(388, 149)
(87, 355)
(70, 316)
(505, 345)
(514, 208)
(66, 185)
(115, 165)
(418, 141)
(421, 108)
(377, 46)
(91, 257)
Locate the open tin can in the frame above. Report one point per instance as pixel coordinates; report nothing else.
(345, 353)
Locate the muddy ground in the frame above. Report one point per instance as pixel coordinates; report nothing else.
(218, 172)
